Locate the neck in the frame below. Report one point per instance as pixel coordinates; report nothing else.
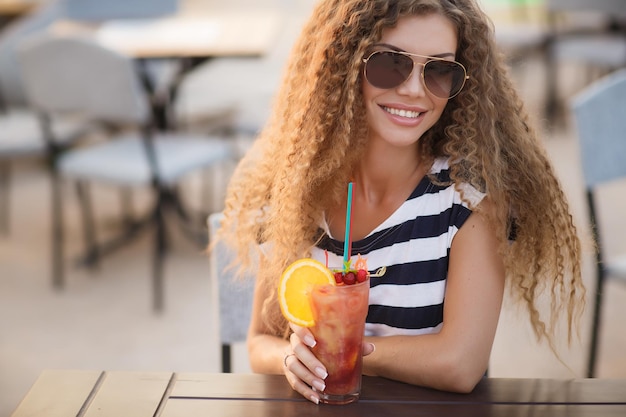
(381, 174)
(382, 183)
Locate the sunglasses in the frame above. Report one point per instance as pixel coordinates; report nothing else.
(389, 69)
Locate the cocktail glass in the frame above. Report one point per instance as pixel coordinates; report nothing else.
(339, 313)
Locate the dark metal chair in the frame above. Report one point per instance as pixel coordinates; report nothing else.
(79, 76)
(232, 297)
(600, 117)
(20, 133)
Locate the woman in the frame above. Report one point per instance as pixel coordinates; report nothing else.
(453, 192)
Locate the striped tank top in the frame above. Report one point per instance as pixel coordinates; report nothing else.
(414, 245)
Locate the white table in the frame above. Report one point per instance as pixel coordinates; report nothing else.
(184, 35)
(189, 37)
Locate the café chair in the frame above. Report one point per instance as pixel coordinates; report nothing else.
(38, 20)
(21, 139)
(231, 295)
(20, 132)
(600, 117)
(160, 72)
(72, 75)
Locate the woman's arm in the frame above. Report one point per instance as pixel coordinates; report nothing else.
(266, 351)
(456, 358)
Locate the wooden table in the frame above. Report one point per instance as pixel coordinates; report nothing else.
(164, 394)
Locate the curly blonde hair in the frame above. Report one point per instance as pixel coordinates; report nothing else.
(301, 162)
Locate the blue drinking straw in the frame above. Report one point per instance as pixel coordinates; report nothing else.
(347, 243)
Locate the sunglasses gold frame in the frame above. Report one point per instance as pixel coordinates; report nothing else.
(423, 64)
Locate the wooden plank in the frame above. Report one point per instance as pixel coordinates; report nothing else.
(245, 408)
(247, 386)
(58, 394)
(194, 407)
(505, 390)
(489, 390)
(540, 390)
(136, 394)
(163, 394)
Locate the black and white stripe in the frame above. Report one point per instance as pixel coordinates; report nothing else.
(414, 244)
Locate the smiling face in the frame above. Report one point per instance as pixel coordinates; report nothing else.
(399, 116)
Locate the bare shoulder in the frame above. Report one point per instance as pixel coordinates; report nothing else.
(475, 246)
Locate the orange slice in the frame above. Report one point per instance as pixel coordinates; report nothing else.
(295, 286)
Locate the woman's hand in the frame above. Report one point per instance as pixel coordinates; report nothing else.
(304, 372)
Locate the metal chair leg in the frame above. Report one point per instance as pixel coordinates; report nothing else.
(551, 109)
(160, 250)
(5, 175)
(57, 243)
(92, 253)
(127, 207)
(226, 359)
(600, 278)
(595, 326)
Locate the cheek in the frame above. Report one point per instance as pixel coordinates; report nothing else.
(440, 106)
(368, 94)
(366, 90)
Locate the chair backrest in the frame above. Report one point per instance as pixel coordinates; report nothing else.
(600, 117)
(78, 75)
(11, 86)
(233, 296)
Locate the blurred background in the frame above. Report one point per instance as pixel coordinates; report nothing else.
(135, 305)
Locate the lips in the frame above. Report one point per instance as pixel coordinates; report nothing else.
(410, 114)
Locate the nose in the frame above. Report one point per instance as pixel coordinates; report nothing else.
(414, 85)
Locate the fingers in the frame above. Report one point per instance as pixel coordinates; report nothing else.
(304, 353)
(368, 348)
(304, 334)
(293, 369)
(304, 372)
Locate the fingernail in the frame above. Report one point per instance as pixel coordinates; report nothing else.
(315, 399)
(373, 347)
(321, 372)
(309, 341)
(320, 386)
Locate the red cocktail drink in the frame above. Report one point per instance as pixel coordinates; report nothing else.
(339, 313)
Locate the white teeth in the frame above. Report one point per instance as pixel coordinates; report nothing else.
(402, 113)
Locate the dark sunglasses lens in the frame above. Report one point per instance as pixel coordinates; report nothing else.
(444, 78)
(388, 69)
